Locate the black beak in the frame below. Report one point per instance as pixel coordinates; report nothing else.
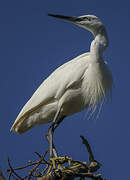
(68, 18)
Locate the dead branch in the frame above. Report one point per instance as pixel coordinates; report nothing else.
(60, 168)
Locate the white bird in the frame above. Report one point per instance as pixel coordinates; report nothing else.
(80, 83)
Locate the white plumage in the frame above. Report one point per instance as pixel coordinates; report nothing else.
(78, 84)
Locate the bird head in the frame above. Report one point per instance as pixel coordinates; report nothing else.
(89, 22)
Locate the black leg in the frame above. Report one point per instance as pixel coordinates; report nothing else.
(50, 136)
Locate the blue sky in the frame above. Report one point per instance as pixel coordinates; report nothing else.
(32, 45)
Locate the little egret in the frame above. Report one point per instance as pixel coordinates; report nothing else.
(80, 83)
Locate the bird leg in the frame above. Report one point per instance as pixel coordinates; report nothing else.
(50, 133)
(49, 136)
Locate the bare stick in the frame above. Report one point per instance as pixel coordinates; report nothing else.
(85, 142)
(12, 170)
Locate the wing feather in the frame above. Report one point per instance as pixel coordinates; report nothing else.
(55, 85)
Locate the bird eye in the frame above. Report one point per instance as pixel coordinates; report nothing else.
(89, 19)
(86, 18)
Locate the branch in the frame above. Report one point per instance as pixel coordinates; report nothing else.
(85, 142)
(77, 169)
(59, 168)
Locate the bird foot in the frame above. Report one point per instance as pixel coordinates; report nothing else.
(59, 163)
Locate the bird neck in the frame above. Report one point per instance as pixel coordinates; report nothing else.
(99, 44)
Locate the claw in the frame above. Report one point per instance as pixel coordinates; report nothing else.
(49, 170)
(69, 161)
(53, 163)
(64, 163)
(58, 162)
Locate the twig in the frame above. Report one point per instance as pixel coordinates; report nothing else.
(85, 142)
(94, 165)
(38, 163)
(12, 170)
(60, 168)
(43, 158)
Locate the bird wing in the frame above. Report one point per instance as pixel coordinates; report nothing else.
(55, 85)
